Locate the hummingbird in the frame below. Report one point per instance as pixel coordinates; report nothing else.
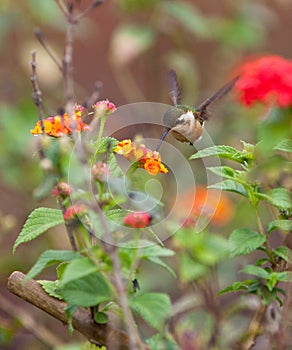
(185, 122)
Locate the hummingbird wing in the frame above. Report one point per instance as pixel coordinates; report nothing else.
(174, 89)
(202, 109)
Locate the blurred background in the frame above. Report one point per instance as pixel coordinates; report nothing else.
(128, 45)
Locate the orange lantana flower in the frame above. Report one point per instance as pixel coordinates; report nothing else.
(61, 125)
(142, 156)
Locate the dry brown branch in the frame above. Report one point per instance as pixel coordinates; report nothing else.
(32, 292)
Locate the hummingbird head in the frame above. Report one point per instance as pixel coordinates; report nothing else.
(171, 116)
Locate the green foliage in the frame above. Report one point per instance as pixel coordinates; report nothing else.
(89, 290)
(227, 152)
(279, 197)
(51, 288)
(284, 145)
(284, 225)
(154, 308)
(48, 258)
(162, 342)
(244, 241)
(38, 222)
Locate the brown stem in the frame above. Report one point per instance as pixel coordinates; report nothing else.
(32, 292)
(36, 92)
(254, 328)
(69, 229)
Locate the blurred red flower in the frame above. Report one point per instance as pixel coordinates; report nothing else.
(267, 80)
(137, 219)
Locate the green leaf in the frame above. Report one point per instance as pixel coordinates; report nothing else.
(284, 145)
(155, 250)
(231, 186)
(69, 310)
(154, 308)
(282, 252)
(191, 270)
(86, 291)
(284, 225)
(50, 257)
(244, 241)
(224, 171)
(256, 271)
(162, 342)
(222, 151)
(51, 288)
(100, 317)
(237, 286)
(107, 144)
(154, 236)
(38, 222)
(115, 170)
(279, 197)
(77, 269)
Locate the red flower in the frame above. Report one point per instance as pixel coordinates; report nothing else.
(137, 219)
(104, 107)
(62, 189)
(73, 211)
(266, 80)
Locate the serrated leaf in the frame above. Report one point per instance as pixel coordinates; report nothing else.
(86, 291)
(231, 186)
(244, 241)
(282, 252)
(237, 286)
(284, 225)
(50, 257)
(224, 171)
(284, 145)
(154, 308)
(222, 151)
(51, 288)
(256, 271)
(279, 197)
(107, 144)
(38, 222)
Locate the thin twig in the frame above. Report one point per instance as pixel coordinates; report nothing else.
(36, 92)
(101, 334)
(63, 8)
(67, 63)
(42, 40)
(69, 229)
(90, 7)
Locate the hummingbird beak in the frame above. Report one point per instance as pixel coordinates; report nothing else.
(162, 138)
